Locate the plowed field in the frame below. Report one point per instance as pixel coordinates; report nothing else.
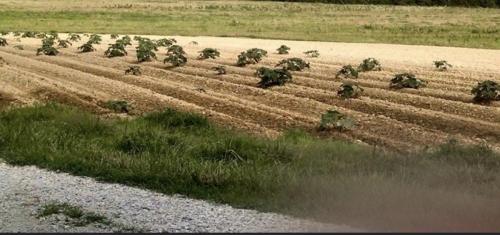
(400, 119)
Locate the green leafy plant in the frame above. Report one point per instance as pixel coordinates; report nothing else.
(125, 40)
(63, 43)
(95, 39)
(349, 90)
(333, 119)
(347, 71)
(74, 37)
(120, 106)
(114, 36)
(251, 56)
(312, 53)
(442, 65)
(53, 34)
(406, 80)
(221, 69)
(209, 53)
(370, 64)
(283, 49)
(293, 64)
(48, 47)
(87, 47)
(29, 34)
(176, 59)
(165, 42)
(146, 49)
(134, 69)
(117, 49)
(17, 34)
(486, 91)
(3, 42)
(176, 49)
(273, 77)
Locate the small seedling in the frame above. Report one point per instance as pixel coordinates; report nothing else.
(48, 47)
(293, 64)
(114, 36)
(119, 106)
(283, 49)
(221, 69)
(486, 92)
(273, 77)
(370, 64)
(134, 69)
(347, 71)
(209, 53)
(312, 53)
(406, 80)
(333, 119)
(74, 37)
(349, 90)
(442, 65)
(3, 42)
(64, 43)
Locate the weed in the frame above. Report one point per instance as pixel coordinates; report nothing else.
(221, 69)
(293, 64)
(134, 69)
(486, 91)
(209, 53)
(63, 43)
(349, 90)
(74, 37)
(369, 64)
(3, 42)
(283, 49)
(442, 65)
(119, 106)
(312, 53)
(95, 39)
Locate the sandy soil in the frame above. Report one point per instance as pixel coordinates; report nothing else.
(404, 119)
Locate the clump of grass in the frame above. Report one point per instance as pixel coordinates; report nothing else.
(78, 216)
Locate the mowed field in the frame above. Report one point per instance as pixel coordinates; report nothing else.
(406, 119)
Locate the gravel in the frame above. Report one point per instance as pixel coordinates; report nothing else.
(25, 189)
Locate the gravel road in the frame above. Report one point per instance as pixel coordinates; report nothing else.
(24, 190)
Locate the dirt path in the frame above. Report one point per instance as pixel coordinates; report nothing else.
(404, 119)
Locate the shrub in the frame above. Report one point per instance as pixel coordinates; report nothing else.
(442, 65)
(95, 39)
(120, 106)
(74, 37)
(209, 53)
(406, 80)
(283, 49)
(221, 69)
(348, 90)
(486, 91)
(3, 42)
(64, 43)
(146, 49)
(312, 53)
(333, 119)
(293, 64)
(370, 64)
(251, 56)
(134, 69)
(48, 47)
(117, 49)
(165, 42)
(347, 71)
(29, 34)
(114, 36)
(273, 77)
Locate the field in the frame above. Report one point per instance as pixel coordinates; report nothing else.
(404, 119)
(442, 26)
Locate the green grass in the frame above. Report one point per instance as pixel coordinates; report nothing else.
(79, 217)
(335, 181)
(462, 27)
